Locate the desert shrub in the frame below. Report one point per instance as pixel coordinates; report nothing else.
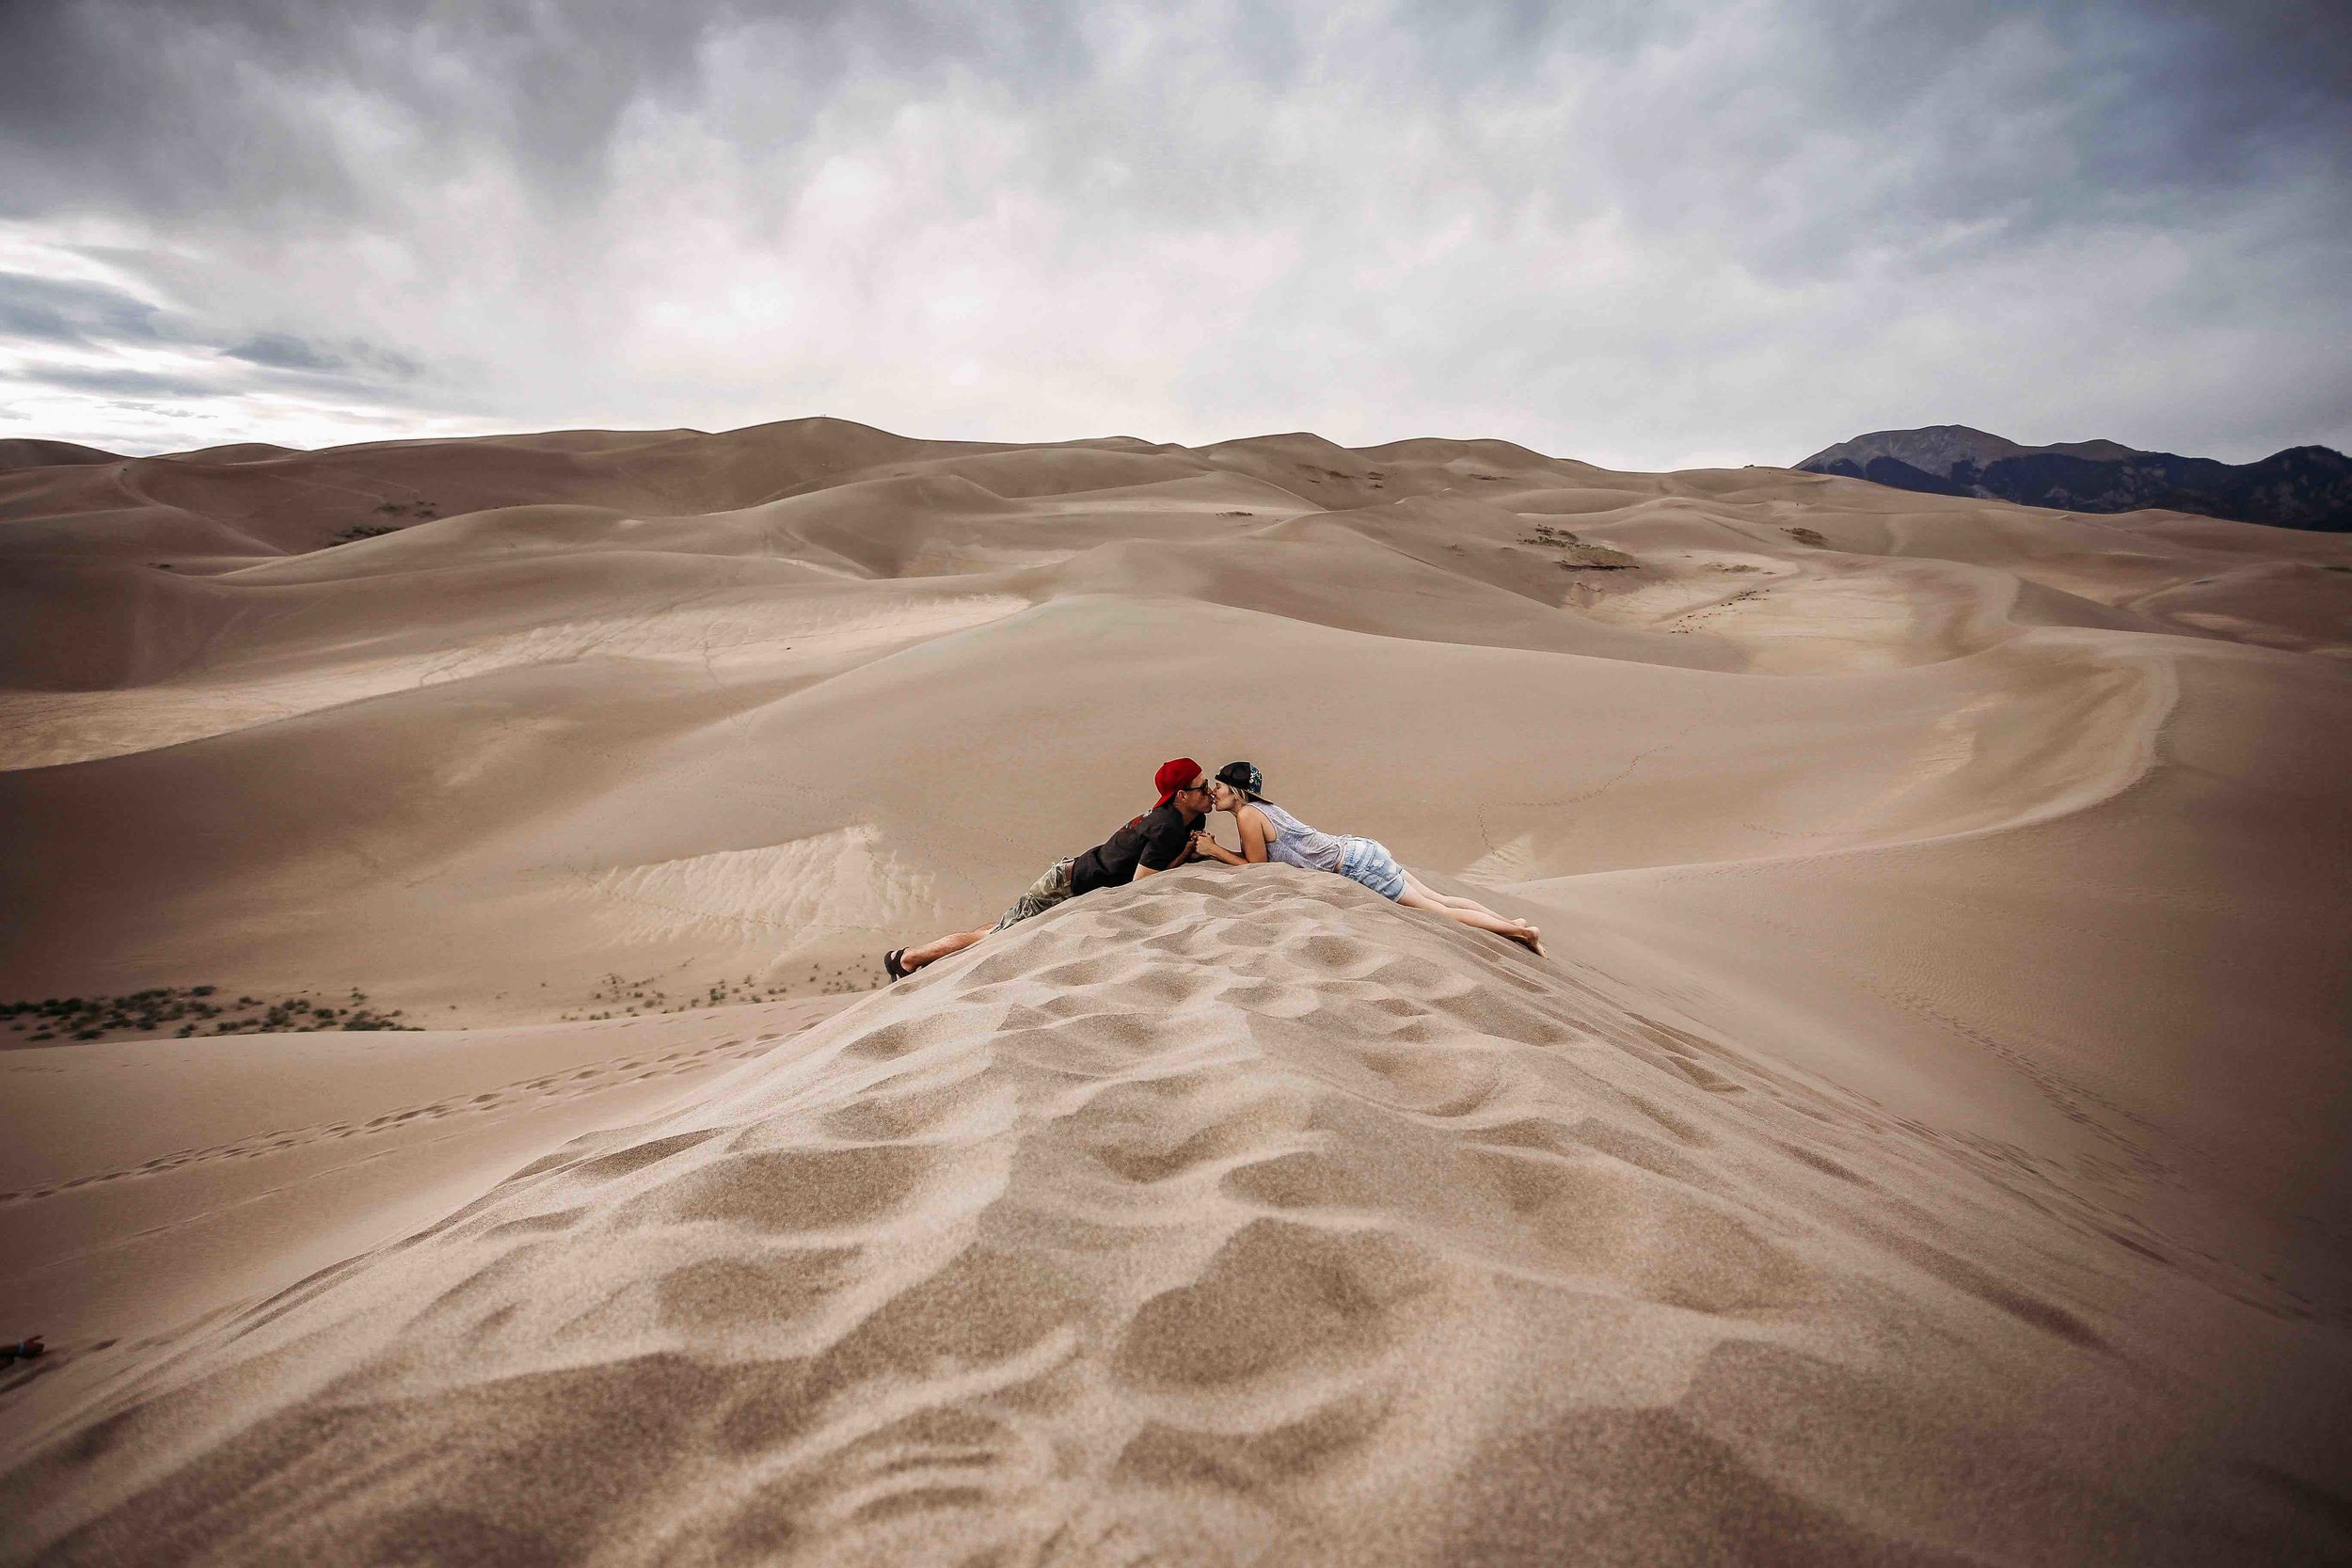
(148, 1012)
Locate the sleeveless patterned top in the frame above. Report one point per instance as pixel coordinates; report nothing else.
(1297, 843)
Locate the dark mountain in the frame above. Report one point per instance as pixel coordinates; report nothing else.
(2306, 487)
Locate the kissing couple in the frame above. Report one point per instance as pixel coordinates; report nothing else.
(1170, 834)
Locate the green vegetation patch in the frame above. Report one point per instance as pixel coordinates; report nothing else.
(620, 997)
(1574, 554)
(195, 1010)
(408, 512)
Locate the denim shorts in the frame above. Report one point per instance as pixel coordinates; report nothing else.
(1368, 861)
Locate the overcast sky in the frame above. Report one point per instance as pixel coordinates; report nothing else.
(1642, 232)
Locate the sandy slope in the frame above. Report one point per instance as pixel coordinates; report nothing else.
(148, 1182)
(1925, 1142)
(1236, 1215)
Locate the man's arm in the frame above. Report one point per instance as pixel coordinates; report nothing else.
(1145, 869)
(1143, 863)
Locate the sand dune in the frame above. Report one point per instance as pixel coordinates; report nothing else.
(1236, 1216)
(1926, 1141)
(837, 879)
(259, 1158)
(17, 451)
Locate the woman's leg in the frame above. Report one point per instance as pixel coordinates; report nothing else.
(1517, 930)
(1414, 885)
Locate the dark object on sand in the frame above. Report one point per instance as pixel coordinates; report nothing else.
(27, 1348)
(890, 962)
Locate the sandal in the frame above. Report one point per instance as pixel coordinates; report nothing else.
(891, 962)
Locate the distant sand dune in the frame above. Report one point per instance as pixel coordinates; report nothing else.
(838, 881)
(735, 627)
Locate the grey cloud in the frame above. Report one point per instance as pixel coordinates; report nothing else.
(73, 311)
(79, 378)
(83, 314)
(2125, 111)
(1472, 49)
(107, 105)
(1845, 129)
(286, 351)
(94, 317)
(282, 351)
(185, 108)
(182, 105)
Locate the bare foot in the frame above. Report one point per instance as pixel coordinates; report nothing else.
(1531, 937)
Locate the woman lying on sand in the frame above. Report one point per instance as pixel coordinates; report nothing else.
(1269, 833)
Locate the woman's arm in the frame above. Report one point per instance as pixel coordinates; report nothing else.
(1202, 844)
(1251, 821)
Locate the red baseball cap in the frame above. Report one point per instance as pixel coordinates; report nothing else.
(1173, 775)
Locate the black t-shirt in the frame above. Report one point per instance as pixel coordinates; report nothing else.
(1158, 839)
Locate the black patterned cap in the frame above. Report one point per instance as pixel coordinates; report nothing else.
(1243, 776)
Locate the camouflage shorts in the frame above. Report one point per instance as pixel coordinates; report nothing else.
(1046, 892)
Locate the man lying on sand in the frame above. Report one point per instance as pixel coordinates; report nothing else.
(1159, 840)
(1269, 833)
